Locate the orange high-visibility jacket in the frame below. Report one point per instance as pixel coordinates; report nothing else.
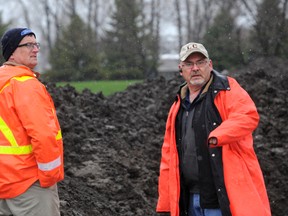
(242, 174)
(31, 145)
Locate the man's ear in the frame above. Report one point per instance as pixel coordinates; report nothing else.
(180, 69)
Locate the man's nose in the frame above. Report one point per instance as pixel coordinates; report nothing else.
(194, 65)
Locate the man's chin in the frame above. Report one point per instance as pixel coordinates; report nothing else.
(197, 82)
(33, 65)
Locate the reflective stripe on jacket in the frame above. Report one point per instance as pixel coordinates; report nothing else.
(31, 145)
(242, 174)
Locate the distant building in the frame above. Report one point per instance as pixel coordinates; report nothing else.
(168, 66)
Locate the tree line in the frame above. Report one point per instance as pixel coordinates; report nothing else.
(121, 39)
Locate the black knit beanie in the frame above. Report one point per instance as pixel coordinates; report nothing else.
(11, 40)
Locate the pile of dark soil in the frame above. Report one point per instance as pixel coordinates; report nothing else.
(113, 144)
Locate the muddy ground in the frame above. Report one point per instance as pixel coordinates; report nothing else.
(113, 144)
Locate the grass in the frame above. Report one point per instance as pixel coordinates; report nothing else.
(107, 87)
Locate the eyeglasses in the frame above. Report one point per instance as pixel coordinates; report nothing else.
(200, 63)
(30, 46)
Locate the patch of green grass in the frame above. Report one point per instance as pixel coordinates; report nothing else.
(107, 87)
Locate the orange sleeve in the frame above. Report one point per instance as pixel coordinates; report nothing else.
(163, 180)
(168, 165)
(238, 112)
(37, 113)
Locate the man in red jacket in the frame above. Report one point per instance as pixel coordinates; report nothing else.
(208, 165)
(31, 148)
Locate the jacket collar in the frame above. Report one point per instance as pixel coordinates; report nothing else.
(217, 81)
(221, 81)
(10, 63)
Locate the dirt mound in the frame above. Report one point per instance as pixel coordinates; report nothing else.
(113, 144)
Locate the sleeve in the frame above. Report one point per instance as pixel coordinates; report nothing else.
(238, 112)
(163, 186)
(36, 111)
(163, 204)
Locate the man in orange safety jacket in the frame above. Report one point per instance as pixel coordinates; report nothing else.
(208, 165)
(31, 148)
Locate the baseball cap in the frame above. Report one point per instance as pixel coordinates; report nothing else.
(190, 48)
(11, 40)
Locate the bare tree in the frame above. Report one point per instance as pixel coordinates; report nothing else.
(71, 5)
(155, 30)
(51, 21)
(282, 28)
(199, 15)
(270, 25)
(251, 7)
(26, 13)
(155, 17)
(188, 19)
(47, 12)
(179, 21)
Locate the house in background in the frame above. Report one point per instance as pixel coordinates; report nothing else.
(168, 66)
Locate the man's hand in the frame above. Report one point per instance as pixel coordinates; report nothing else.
(213, 141)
